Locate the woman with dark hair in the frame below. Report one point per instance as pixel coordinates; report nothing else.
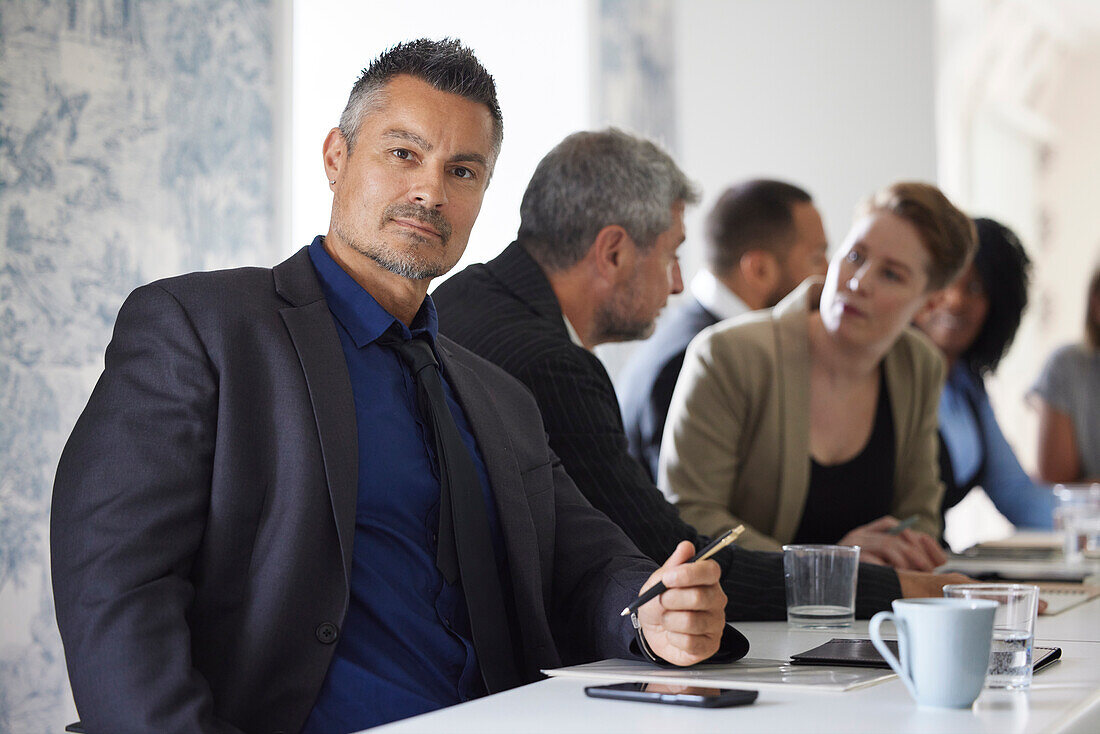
(973, 323)
(1068, 397)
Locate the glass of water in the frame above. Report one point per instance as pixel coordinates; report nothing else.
(1010, 657)
(821, 585)
(1077, 515)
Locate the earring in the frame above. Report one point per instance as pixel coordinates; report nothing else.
(332, 180)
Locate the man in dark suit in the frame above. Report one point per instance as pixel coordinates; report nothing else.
(277, 513)
(594, 262)
(763, 238)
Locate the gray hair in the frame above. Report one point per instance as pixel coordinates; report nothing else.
(592, 180)
(446, 65)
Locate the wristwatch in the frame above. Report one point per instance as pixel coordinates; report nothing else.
(642, 644)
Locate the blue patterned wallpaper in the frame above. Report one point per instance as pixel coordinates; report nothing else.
(135, 142)
(635, 68)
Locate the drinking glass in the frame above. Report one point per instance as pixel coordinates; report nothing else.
(1077, 515)
(821, 585)
(1010, 657)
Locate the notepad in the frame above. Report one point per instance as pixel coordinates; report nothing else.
(1018, 571)
(1060, 597)
(861, 653)
(748, 672)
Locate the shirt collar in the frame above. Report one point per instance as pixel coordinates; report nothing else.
(960, 376)
(716, 297)
(573, 335)
(362, 316)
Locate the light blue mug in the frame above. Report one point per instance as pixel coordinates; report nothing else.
(943, 645)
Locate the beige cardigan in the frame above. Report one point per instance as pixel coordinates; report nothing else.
(736, 446)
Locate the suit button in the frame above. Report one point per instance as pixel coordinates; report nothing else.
(327, 632)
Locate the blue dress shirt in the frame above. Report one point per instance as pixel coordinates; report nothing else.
(405, 646)
(971, 438)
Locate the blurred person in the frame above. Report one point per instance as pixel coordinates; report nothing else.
(815, 421)
(973, 323)
(594, 261)
(1067, 395)
(763, 238)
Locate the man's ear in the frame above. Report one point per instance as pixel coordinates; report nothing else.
(613, 254)
(760, 270)
(335, 152)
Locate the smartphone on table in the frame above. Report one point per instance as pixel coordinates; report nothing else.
(674, 694)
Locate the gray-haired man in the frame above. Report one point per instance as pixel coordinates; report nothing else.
(594, 262)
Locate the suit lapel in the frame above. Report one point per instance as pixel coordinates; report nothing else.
(311, 328)
(516, 522)
(700, 314)
(793, 369)
(899, 386)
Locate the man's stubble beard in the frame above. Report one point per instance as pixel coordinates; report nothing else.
(406, 264)
(615, 322)
(786, 284)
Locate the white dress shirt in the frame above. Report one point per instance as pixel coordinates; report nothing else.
(716, 297)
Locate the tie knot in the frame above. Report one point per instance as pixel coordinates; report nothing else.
(416, 352)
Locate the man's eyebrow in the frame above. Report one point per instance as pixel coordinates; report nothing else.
(408, 135)
(470, 158)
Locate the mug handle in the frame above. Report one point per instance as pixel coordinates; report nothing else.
(876, 640)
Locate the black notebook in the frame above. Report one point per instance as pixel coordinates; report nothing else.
(861, 653)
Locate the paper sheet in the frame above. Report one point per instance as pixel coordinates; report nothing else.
(1060, 597)
(749, 672)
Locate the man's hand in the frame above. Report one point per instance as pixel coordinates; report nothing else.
(684, 624)
(909, 550)
(924, 585)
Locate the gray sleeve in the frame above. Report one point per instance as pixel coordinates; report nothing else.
(1057, 382)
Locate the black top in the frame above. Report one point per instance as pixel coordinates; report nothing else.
(845, 496)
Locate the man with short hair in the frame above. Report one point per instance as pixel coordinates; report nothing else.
(290, 506)
(594, 262)
(763, 238)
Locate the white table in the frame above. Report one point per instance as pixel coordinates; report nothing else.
(1064, 698)
(1079, 624)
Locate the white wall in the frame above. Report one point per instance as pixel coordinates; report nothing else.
(537, 51)
(1019, 110)
(834, 96)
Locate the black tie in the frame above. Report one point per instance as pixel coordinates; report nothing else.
(463, 522)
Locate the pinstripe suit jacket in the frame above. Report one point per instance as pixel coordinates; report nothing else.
(506, 312)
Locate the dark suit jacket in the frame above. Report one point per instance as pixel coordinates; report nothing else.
(204, 512)
(506, 311)
(645, 388)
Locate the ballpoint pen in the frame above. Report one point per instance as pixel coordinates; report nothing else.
(903, 525)
(713, 547)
